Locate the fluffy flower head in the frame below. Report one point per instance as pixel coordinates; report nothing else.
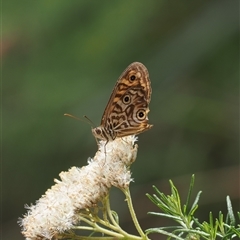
(80, 188)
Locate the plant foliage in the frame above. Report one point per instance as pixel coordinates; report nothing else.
(188, 226)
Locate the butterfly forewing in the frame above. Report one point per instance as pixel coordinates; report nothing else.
(127, 109)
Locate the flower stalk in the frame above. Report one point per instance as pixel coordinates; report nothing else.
(80, 199)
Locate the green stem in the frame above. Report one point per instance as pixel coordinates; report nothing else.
(115, 230)
(95, 227)
(120, 230)
(132, 212)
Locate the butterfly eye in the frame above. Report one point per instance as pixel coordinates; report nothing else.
(141, 115)
(126, 99)
(98, 131)
(132, 78)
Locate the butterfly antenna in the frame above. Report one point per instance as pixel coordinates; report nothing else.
(89, 121)
(83, 120)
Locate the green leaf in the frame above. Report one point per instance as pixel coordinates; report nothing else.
(189, 193)
(230, 212)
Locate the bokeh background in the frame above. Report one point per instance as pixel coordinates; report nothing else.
(65, 57)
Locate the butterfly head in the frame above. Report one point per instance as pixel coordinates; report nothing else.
(101, 133)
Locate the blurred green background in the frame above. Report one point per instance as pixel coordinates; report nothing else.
(65, 57)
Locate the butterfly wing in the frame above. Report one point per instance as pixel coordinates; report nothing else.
(127, 109)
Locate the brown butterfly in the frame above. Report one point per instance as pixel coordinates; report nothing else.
(127, 110)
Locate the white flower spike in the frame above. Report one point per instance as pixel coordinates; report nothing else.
(80, 188)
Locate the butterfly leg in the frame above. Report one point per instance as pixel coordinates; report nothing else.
(105, 151)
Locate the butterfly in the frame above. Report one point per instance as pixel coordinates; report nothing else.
(127, 110)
